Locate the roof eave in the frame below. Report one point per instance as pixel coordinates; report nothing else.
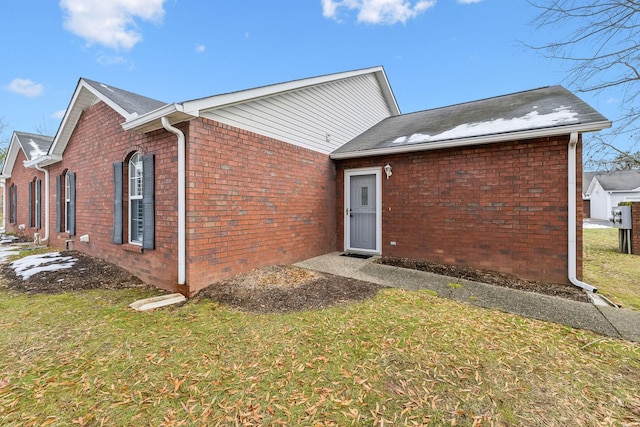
(42, 161)
(479, 140)
(151, 121)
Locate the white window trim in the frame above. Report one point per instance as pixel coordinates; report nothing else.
(134, 197)
(67, 200)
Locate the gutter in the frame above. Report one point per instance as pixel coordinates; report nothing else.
(3, 183)
(46, 204)
(478, 140)
(47, 160)
(181, 200)
(572, 188)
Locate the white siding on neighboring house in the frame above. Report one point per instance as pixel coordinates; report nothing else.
(600, 202)
(320, 118)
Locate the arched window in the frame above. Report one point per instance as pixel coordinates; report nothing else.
(35, 200)
(136, 213)
(66, 202)
(134, 201)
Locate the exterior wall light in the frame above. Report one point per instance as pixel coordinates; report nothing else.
(387, 170)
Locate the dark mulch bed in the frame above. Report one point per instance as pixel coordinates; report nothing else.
(283, 288)
(278, 288)
(87, 273)
(490, 277)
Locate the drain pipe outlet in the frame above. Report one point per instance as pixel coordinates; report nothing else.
(573, 142)
(46, 205)
(181, 200)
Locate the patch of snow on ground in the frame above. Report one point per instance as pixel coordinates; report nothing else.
(532, 120)
(7, 251)
(592, 225)
(33, 264)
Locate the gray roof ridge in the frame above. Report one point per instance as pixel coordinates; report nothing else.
(134, 101)
(301, 79)
(475, 101)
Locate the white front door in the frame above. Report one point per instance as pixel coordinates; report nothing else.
(363, 210)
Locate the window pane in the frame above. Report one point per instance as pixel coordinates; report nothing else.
(135, 176)
(137, 225)
(365, 196)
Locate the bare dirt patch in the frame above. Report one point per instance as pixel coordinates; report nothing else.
(490, 277)
(87, 273)
(285, 288)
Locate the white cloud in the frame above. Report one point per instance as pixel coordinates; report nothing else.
(378, 11)
(111, 23)
(58, 114)
(105, 59)
(25, 87)
(200, 48)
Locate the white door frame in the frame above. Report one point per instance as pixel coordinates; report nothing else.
(348, 173)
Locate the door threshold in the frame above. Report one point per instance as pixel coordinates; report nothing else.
(356, 255)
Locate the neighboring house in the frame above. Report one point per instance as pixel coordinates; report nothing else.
(23, 204)
(605, 190)
(185, 194)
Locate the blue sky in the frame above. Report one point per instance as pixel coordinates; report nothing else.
(435, 53)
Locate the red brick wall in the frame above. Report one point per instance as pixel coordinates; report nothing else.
(97, 142)
(635, 228)
(253, 201)
(501, 207)
(22, 177)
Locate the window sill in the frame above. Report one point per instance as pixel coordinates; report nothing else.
(132, 248)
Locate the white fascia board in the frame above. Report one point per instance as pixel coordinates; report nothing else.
(480, 140)
(387, 92)
(12, 155)
(41, 161)
(592, 185)
(146, 121)
(225, 100)
(83, 97)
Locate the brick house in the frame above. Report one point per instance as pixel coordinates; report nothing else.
(185, 194)
(24, 215)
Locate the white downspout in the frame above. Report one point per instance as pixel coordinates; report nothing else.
(573, 142)
(4, 205)
(46, 204)
(181, 201)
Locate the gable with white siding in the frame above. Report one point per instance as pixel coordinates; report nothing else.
(319, 113)
(320, 118)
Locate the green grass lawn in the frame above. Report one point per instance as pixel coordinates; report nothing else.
(402, 358)
(616, 275)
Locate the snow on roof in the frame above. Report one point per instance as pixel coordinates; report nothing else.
(546, 111)
(533, 120)
(36, 151)
(33, 264)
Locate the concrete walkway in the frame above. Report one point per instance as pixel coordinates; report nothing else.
(605, 320)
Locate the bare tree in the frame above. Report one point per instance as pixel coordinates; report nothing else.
(600, 42)
(4, 141)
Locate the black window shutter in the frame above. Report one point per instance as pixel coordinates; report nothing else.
(30, 216)
(117, 202)
(15, 204)
(38, 204)
(59, 202)
(72, 204)
(148, 202)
